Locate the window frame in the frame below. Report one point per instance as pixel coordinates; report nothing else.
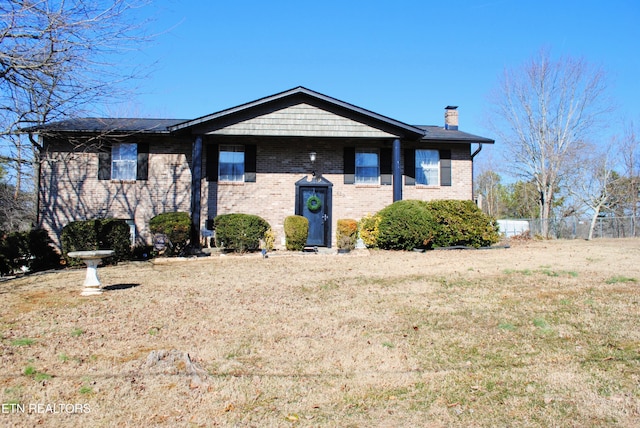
(420, 178)
(232, 148)
(359, 178)
(130, 170)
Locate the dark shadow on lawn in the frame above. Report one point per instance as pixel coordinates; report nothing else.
(115, 287)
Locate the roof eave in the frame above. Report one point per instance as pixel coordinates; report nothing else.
(460, 140)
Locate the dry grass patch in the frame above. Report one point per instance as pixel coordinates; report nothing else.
(536, 335)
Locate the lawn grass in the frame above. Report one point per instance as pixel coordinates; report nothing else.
(536, 335)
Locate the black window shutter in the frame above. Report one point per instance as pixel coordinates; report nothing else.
(142, 172)
(104, 164)
(212, 162)
(409, 167)
(250, 163)
(386, 166)
(349, 165)
(445, 167)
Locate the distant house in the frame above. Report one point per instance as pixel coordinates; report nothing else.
(266, 157)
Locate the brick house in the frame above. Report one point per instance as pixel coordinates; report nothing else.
(266, 157)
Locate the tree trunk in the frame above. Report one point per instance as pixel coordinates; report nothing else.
(593, 223)
(545, 212)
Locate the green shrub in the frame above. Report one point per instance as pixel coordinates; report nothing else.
(5, 262)
(115, 234)
(405, 225)
(14, 252)
(176, 226)
(240, 232)
(347, 233)
(79, 236)
(296, 230)
(100, 234)
(269, 239)
(462, 223)
(32, 249)
(369, 228)
(42, 254)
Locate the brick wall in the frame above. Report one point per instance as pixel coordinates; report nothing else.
(280, 164)
(70, 189)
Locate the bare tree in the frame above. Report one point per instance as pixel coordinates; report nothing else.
(592, 186)
(488, 184)
(630, 151)
(58, 58)
(545, 111)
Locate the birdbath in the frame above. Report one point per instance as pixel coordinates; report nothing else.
(92, 259)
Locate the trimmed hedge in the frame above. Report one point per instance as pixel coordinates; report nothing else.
(369, 228)
(42, 255)
(100, 234)
(347, 233)
(176, 226)
(33, 249)
(405, 225)
(409, 224)
(269, 239)
(462, 223)
(240, 232)
(296, 231)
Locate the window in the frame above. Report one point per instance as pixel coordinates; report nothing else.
(367, 167)
(132, 231)
(124, 157)
(427, 167)
(231, 165)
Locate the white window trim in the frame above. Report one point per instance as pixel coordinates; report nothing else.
(436, 168)
(236, 148)
(115, 162)
(367, 183)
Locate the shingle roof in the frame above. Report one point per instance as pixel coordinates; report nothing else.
(167, 126)
(442, 134)
(95, 124)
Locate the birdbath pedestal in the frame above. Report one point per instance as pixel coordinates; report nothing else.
(92, 259)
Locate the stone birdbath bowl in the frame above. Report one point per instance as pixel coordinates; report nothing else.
(92, 259)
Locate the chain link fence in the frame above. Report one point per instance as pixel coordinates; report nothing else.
(575, 228)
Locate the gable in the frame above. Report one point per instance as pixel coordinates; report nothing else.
(298, 112)
(301, 120)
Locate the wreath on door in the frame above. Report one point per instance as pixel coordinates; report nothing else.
(314, 203)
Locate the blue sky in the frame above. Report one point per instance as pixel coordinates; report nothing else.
(403, 59)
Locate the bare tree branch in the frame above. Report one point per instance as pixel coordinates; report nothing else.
(59, 58)
(545, 112)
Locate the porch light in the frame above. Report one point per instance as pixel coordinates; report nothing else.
(312, 158)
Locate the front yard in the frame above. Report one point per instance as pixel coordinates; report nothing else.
(541, 334)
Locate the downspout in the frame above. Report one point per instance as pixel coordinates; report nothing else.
(473, 155)
(39, 172)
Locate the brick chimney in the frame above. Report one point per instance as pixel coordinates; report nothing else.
(451, 118)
